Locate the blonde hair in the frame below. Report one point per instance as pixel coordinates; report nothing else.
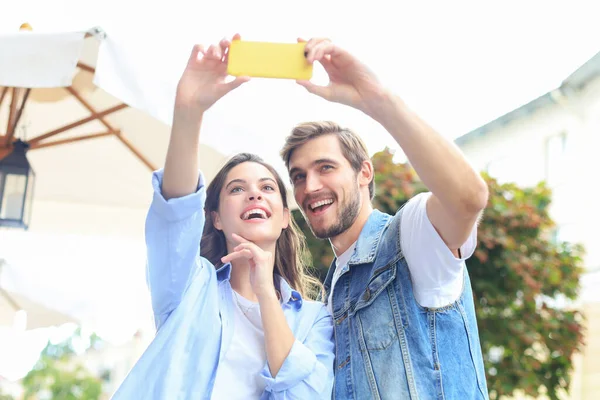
(353, 147)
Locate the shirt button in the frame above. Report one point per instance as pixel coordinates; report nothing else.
(367, 295)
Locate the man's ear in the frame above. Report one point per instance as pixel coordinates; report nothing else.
(366, 174)
(286, 218)
(216, 220)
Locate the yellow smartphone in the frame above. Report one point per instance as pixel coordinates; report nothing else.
(268, 60)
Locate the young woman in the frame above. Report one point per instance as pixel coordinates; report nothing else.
(231, 319)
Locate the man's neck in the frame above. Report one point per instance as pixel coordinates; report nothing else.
(344, 240)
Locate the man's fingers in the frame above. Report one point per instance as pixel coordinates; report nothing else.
(326, 63)
(314, 42)
(319, 51)
(322, 91)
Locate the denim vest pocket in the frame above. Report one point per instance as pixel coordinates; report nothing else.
(380, 280)
(374, 310)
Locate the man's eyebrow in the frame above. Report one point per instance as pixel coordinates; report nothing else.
(316, 162)
(294, 170)
(325, 161)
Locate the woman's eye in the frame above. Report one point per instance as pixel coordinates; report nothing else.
(236, 189)
(269, 187)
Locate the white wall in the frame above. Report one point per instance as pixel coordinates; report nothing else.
(519, 152)
(530, 149)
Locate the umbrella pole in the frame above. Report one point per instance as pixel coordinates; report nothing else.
(4, 91)
(14, 115)
(39, 141)
(9, 299)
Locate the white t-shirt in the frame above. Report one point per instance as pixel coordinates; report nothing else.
(437, 275)
(238, 375)
(340, 262)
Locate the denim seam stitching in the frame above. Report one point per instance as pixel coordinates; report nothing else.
(403, 347)
(469, 338)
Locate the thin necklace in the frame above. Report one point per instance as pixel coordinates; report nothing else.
(245, 312)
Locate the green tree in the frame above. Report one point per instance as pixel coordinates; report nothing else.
(58, 376)
(523, 282)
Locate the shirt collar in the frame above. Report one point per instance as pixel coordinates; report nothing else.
(368, 240)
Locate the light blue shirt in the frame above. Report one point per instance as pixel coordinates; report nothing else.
(193, 312)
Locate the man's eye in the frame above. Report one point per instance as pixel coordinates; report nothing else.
(297, 177)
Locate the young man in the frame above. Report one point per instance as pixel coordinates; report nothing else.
(399, 292)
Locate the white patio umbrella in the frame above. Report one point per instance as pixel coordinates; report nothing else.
(19, 310)
(98, 282)
(93, 156)
(91, 152)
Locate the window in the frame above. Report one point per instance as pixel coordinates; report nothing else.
(556, 152)
(503, 169)
(511, 169)
(565, 233)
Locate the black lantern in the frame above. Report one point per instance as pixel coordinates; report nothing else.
(16, 187)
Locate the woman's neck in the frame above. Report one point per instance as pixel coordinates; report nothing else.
(240, 279)
(240, 273)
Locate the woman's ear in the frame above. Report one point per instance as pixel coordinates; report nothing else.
(216, 220)
(286, 218)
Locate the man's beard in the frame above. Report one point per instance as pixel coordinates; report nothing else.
(347, 214)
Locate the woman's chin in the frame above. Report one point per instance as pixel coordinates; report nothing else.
(259, 235)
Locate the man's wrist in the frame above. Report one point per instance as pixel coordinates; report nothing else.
(387, 108)
(379, 104)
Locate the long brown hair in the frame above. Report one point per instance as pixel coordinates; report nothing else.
(291, 256)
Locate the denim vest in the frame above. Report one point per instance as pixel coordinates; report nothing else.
(387, 345)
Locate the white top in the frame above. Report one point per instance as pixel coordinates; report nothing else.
(238, 374)
(437, 275)
(340, 262)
